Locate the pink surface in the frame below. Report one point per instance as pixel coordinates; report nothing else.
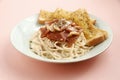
(15, 66)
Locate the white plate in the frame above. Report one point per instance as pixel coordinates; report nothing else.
(22, 32)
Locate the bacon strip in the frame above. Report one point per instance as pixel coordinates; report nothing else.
(62, 35)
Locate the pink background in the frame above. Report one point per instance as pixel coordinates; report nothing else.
(15, 66)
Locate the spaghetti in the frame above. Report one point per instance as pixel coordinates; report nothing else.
(69, 43)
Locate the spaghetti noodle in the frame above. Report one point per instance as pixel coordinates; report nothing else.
(48, 45)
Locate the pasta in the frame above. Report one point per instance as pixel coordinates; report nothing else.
(58, 50)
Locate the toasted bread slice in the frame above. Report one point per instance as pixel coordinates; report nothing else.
(93, 34)
(100, 36)
(44, 16)
(58, 14)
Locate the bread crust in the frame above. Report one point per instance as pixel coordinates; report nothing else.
(100, 36)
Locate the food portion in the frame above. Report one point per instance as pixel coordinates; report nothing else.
(62, 31)
(65, 35)
(81, 18)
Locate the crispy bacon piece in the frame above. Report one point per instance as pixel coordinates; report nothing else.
(44, 32)
(71, 40)
(69, 34)
(58, 36)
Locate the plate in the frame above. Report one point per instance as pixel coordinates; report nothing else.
(23, 31)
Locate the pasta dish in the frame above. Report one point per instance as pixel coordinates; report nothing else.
(61, 38)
